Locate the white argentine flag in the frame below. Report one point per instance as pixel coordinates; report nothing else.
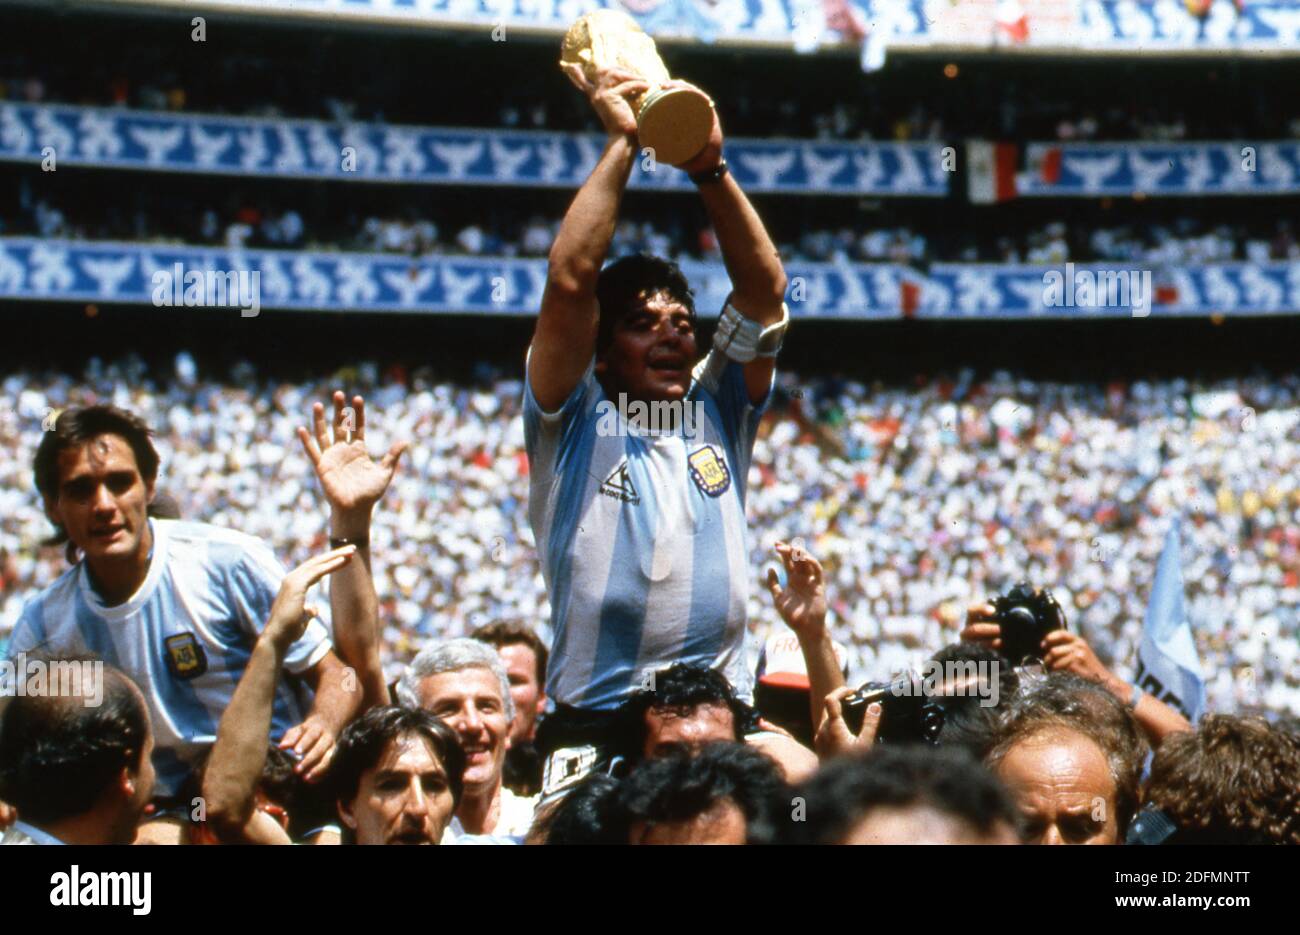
(1168, 667)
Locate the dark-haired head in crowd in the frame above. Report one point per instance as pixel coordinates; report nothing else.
(970, 720)
(726, 793)
(687, 705)
(397, 777)
(902, 795)
(1236, 780)
(589, 813)
(1071, 754)
(77, 772)
(524, 656)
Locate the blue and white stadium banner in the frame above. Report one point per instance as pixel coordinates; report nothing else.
(1136, 26)
(218, 145)
(1094, 290)
(1055, 170)
(179, 276)
(191, 276)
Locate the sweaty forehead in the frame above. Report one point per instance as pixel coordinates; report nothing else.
(660, 303)
(1064, 767)
(100, 455)
(710, 714)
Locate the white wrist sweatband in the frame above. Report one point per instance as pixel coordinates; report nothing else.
(742, 339)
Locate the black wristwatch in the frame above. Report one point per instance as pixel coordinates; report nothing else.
(708, 176)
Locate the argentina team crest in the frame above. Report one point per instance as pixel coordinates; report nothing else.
(185, 657)
(709, 471)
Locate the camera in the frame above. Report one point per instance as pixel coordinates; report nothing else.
(1025, 617)
(907, 715)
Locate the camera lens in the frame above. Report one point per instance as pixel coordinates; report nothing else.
(1020, 616)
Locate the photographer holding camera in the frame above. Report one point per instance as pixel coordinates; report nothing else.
(1027, 623)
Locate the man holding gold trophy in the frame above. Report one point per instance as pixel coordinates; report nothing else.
(641, 532)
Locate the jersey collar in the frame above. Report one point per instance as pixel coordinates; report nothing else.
(157, 561)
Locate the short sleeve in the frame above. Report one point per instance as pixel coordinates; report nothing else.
(723, 379)
(254, 583)
(27, 632)
(547, 433)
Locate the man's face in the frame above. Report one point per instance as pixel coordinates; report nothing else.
(521, 667)
(921, 825)
(101, 499)
(405, 799)
(652, 352)
(1064, 789)
(470, 702)
(722, 823)
(693, 728)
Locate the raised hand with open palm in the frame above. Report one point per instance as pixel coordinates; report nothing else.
(352, 481)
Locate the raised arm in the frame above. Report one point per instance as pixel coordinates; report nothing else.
(758, 279)
(352, 483)
(802, 605)
(565, 338)
(1070, 652)
(239, 754)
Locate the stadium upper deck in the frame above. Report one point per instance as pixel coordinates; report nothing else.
(908, 137)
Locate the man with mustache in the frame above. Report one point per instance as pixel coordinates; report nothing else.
(640, 527)
(397, 777)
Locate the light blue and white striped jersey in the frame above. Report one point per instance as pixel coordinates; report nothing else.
(185, 636)
(642, 536)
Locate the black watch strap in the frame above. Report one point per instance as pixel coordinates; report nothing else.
(362, 542)
(716, 174)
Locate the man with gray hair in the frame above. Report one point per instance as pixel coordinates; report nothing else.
(463, 682)
(1071, 753)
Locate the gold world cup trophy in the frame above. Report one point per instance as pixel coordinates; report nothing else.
(673, 122)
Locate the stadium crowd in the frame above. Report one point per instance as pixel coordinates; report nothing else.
(959, 112)
(1006, 755)
(247, 609)
(1071, 485)
(247, 221)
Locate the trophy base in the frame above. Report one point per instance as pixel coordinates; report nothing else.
(675, 123)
